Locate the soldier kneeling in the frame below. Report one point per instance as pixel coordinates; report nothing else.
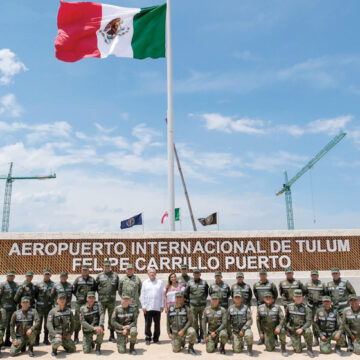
(179, 320)
(271, 322)
(351, 322)
(92, 322)
(23, 325)
(240, 321)
(214, 325)
(298, 323)
(60, 323)
(124, 320)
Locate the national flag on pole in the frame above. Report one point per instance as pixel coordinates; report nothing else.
(135, 220)
(166, 214)
(209, 220)
(88, 29)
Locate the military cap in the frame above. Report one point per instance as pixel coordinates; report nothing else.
(298, 292)
(179, 293)
(61, 295)
(129, 266)
(91, 293)
(184, 267)
(107, 263)
(47, 272)
(262, 271)
(11, 272)
(85, 267)
(239, 274)
(218, 273)
(335, 270)
(326, 298)
(25, 299)
(352, 297)
(196, 271)
(289, 270)
(314, 272)
(64, 273)
(126, 297)
(215, 296)
(268, 293)
(29, 273)
(237, 293)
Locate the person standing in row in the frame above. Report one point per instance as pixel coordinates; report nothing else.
(27, 289)
(244, 289)
(107, 284)
(82, 285)
(184, 278)
(196, 293)
(287, 287)
(63, 286)
(152, 299)
(44, 304)
(222, 289)
(172, 288)
(8, 289)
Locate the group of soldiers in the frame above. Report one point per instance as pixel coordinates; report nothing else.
(318, 312)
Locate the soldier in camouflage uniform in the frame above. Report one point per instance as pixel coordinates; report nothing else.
(63, 286)
(107, 284)
(8, 290)
(130, 285)
(124, 319)
(92, 322)
(287, 287)
(27, 289)
(60, 323)
(214, 326)
(82, 285)
(196, 293)
(351, 322)
(184, 278)
(314, 290)
(3, 325)
(244, 288)
(23, 326)
(222, 289)
(327, 323)
(240, 321)
(339, 291)
(270, 323)
(179, 321)
(44, 303)
(298, 321)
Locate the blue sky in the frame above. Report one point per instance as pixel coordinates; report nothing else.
(259, 87)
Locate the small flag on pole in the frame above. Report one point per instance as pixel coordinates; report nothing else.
(209, 220)
(135, 220)
(166, 214)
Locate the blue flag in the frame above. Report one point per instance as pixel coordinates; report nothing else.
(128, 223)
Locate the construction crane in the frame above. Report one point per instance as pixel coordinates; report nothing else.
(288, 183)
(8, 190)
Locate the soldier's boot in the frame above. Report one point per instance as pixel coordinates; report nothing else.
(250, 350)
(338, 350)
(202, 337)
(46, 338)
(7, 339)
(31, 351)
(260, 342)
(222, 349)
(37, 341)
(98, 349)
(191, 349)
(112, 336)
(283, 351)
(316, 341)
(132, 350)
(310, 351)
(76, 337)
(350, 347)
(54, 352)
(276, 341)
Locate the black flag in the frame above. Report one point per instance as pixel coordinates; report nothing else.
(209, 220)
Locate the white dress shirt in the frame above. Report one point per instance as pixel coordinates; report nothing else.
(152, 295)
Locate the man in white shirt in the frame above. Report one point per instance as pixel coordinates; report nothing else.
(152, 301)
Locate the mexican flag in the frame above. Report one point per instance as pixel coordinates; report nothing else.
(166, 214)
(87, 29)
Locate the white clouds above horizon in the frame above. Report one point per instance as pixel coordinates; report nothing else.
(10, 65)
(9, 106)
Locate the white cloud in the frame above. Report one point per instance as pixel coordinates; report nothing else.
(104, 130)
(10, 65)
(145, 136)
(330, 126)
(9, 106)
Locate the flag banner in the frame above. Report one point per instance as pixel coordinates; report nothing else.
(209, 220)
(166, 214)
(135, 220)
(87, 29)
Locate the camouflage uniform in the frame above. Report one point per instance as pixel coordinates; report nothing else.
(223, 291)
(130, 286)
(3, 325)
(328, 324)
(90, 317)
(239, 318)
(245, 290)
(61, 322)
(125, 316)
(339, 292)
(261, 288)
(62, 287)
(351, 323)
(21, 321)
(26, 290)
(183, 280)
(7, 301)
(180, 319)
(287, 288)
(215, 320)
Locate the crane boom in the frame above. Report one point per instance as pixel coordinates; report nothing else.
(312, 162)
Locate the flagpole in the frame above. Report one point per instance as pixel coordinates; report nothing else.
(170, 117)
